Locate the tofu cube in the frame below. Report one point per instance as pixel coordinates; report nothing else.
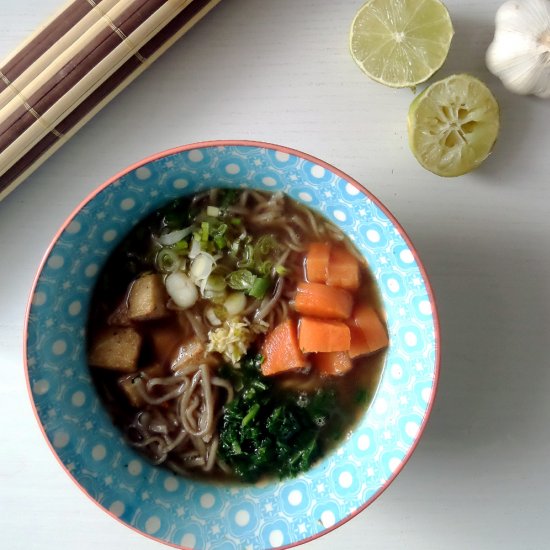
(164, 338)
(129, 384)
(116, 348)
(189, 353)
(119, 317)
(147, 299)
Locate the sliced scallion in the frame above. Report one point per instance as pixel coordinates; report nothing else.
(220, 241)
(259, 287)
(235, 303)
(181, 246)
(282, 270)
(221, 229)
(247, 259)
(167, 260)
(216, 283)
(265, 244)
(195, 247)
(205, 231)
(168, 239)
(241, 279)
(264, 268)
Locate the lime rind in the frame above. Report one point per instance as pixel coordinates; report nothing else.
(401, 43)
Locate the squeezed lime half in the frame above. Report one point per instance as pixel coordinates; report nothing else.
(453, 125)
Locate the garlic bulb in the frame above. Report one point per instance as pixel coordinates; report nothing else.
(520, 52)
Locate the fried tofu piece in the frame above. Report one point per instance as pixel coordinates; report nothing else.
(119, 317)
(147, 299)
(191, 352)
(116, 348)
(129, 384)
(164, 339)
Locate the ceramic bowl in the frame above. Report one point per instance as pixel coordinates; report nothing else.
(193, 514)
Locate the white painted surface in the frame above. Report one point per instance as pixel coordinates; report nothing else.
(280, 71)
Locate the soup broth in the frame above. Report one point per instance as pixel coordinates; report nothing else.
(236, 334)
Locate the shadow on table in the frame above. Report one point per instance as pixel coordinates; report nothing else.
(494, 314)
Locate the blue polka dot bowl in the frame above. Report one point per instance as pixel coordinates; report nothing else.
(191, 514)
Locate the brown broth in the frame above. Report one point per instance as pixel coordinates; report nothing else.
(136, 255)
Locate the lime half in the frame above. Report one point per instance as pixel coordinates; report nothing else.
(401, 43)
(453, 125)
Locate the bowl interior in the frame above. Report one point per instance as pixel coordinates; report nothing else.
(190, 513)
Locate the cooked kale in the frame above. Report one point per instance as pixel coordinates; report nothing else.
(264, 432)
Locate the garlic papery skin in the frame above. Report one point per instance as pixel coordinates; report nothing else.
(520, 52)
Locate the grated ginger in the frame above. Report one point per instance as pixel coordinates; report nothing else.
(233, 338)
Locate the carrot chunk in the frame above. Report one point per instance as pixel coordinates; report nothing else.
(317, 260)
(319, 335)
(281, 351)
(343, 269)
(324, 301)
(368, 332)
(334, 363)
(359, 345)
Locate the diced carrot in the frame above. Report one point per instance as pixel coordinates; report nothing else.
(320, 335)
(333, 363)
(323, 301)
(281, 351)
(343, 269)
(317, 261)
(368, 332)
(359, 345)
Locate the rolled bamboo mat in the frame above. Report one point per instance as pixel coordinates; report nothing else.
(69, 69)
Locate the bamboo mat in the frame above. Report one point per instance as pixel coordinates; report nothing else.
(64, 73)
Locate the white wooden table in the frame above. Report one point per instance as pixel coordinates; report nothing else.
(280, 71)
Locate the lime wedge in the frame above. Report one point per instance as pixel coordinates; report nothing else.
(453, 125)
(401, 43)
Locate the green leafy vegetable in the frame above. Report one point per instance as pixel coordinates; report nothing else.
(263, 433)
(228, 197)
(361, 397)
(177, 214)
(251, 414)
